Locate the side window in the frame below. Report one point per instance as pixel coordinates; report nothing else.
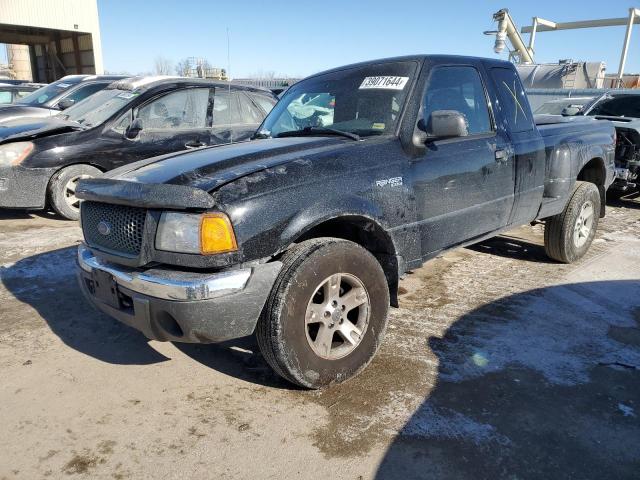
(225, 108)
(512, 100)
(85, 91)
(460, 89)
(22, 93)
(264, 102)
(122, 123)
(5, 97)
(183, 109)
(248, 112)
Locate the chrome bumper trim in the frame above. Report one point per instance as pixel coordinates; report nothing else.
(168, 284)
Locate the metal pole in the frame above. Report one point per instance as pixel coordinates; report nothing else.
(625, 47)
(532, 36)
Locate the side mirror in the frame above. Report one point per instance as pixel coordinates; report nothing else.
(446, 124)
(65, 103)
(134, 129)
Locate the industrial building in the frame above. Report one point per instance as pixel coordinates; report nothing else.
(48, 40)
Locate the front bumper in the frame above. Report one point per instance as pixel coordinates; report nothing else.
(170, 305)
(24, 187)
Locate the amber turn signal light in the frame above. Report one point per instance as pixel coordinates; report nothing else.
(216, 234)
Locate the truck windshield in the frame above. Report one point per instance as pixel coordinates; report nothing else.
(618, 106)
(99, 107)
(46, 93)
(361, 100)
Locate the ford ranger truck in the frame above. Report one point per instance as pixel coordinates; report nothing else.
(356, 176)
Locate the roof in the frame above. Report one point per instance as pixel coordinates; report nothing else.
(87, 78)
(417, 58)
(148, 82)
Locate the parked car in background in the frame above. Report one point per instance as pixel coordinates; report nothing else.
(623, 110)
(303, 234)
(563, 106)
(41, 159)
(50, 99)
(10, 93)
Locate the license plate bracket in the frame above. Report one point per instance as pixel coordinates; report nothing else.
(106, 289)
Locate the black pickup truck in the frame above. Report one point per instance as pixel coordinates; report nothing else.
(357, 175)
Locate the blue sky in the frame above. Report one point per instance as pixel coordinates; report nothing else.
(302, 37)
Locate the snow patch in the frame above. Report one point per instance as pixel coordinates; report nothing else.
(560, 332)
(430, 421)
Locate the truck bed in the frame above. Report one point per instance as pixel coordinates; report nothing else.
(570, 142)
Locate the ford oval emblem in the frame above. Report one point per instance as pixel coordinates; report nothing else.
(104, 228)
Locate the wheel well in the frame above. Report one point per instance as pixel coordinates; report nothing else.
(369, 235)
(594, 172)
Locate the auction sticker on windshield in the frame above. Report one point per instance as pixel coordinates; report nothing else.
(386, 82)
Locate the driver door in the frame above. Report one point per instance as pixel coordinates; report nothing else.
(464, 186)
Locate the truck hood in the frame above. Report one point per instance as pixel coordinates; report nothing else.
(209, 168)
(13, 112)
(30, 128)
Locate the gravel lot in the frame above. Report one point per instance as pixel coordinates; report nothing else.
(499, 364)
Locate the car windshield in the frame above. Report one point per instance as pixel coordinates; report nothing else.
(360, 100)
(99, 107)
(618, 106)
(46, 93)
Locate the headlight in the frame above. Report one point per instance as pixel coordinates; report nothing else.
(205, 234)
(14, 153)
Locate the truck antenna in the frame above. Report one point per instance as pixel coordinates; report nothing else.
(229, 80)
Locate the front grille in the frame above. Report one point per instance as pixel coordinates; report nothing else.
(114, 228)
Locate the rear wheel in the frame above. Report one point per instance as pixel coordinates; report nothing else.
(327, 313)
(568, 235)
(62, 189)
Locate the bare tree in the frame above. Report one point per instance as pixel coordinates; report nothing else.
(162, 66)
(183, 67)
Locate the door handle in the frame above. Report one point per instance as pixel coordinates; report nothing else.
(501, 156)
(194, 144)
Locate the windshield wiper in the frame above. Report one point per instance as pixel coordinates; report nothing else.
(310, 131)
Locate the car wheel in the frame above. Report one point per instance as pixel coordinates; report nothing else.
(568, 235)
(327, 313)
(62, 189)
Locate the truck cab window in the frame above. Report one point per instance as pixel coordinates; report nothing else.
(460, 89)
(512, 100)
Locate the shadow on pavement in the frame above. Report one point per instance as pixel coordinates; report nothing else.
(510, 247)
(239, 358)
(8, 214)
(47, 282)
(539, 385)
(630, 200)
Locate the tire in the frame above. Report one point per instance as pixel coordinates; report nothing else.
(293, 346)
(61, 197)
(568, 235)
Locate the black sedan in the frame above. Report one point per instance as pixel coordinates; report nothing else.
(41, 159)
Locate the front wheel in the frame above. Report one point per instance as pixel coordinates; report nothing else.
(327, 313)
(568, 235)
(62, 189)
